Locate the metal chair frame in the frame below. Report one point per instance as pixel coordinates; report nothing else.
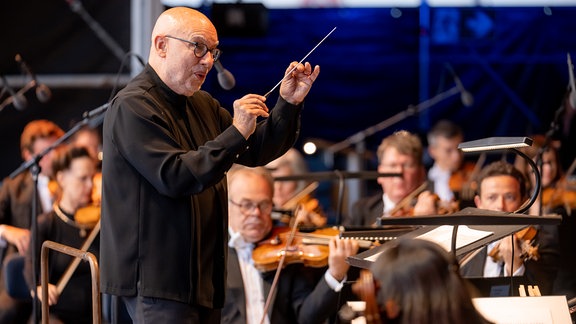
(94, 270)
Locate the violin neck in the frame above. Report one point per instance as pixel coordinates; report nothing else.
(318, 239)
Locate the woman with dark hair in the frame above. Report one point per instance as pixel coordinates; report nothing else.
(73, 169)
(418, 282)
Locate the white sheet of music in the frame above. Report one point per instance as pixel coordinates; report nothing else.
(442, 235)
(524, 310)
(510, 310)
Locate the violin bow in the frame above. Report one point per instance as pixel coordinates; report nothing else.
(281, 264)
(74, 264)
(408, 199)
(294, 200)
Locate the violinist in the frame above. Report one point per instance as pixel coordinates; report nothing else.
(287, 194)
(402, 153)
(74, 170)
(91, 139)
(16, 197)
(558, 197)
(443, 140)
(451, 175)
(303, 294)
(548, 161)
(503, 188)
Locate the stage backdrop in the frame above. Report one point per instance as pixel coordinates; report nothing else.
(378, 63)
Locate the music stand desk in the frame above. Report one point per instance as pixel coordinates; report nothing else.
(500, 224)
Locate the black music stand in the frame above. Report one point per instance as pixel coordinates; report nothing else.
(499, 224)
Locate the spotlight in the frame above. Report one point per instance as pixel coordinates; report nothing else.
(309, 148)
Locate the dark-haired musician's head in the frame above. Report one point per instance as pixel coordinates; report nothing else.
(419, 282)
(501, 187)
(443, 140)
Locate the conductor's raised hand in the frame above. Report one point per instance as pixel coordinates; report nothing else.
(296, 86)
(246, 111)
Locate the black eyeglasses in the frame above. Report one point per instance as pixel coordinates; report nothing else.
(200, 49)
(247, 206)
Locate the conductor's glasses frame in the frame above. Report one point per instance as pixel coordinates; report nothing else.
(200, 49)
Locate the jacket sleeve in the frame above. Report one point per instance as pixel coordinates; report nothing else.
(143, 137)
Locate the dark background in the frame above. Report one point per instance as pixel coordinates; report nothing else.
(378, 63)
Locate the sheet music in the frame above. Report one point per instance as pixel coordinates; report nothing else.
(524, 310)
(442, 235)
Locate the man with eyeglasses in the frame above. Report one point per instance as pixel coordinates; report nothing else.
(300, 295)
(167, 147)
(403, 195)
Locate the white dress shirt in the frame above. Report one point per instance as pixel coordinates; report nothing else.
(441, 179)
(253, 286)
(44, 193)
(495, 269)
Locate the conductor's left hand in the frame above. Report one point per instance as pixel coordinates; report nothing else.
(296, 86)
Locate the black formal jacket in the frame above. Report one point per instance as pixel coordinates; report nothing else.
(541, 272)
(75, 303)
(302, 295)
(16, 204)
(365, 211)
(164, 199)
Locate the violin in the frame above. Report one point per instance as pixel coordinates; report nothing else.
(366, 288)
(463, 181)
(526, 237)
(561, 195)
(406, 206)
(90, 214)
(310, 249)
(312, 215)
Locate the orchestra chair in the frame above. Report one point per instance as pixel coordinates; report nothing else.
(15, 284)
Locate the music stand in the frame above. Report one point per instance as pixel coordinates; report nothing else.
(498, 224)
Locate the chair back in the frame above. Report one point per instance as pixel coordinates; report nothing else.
(16, 285)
